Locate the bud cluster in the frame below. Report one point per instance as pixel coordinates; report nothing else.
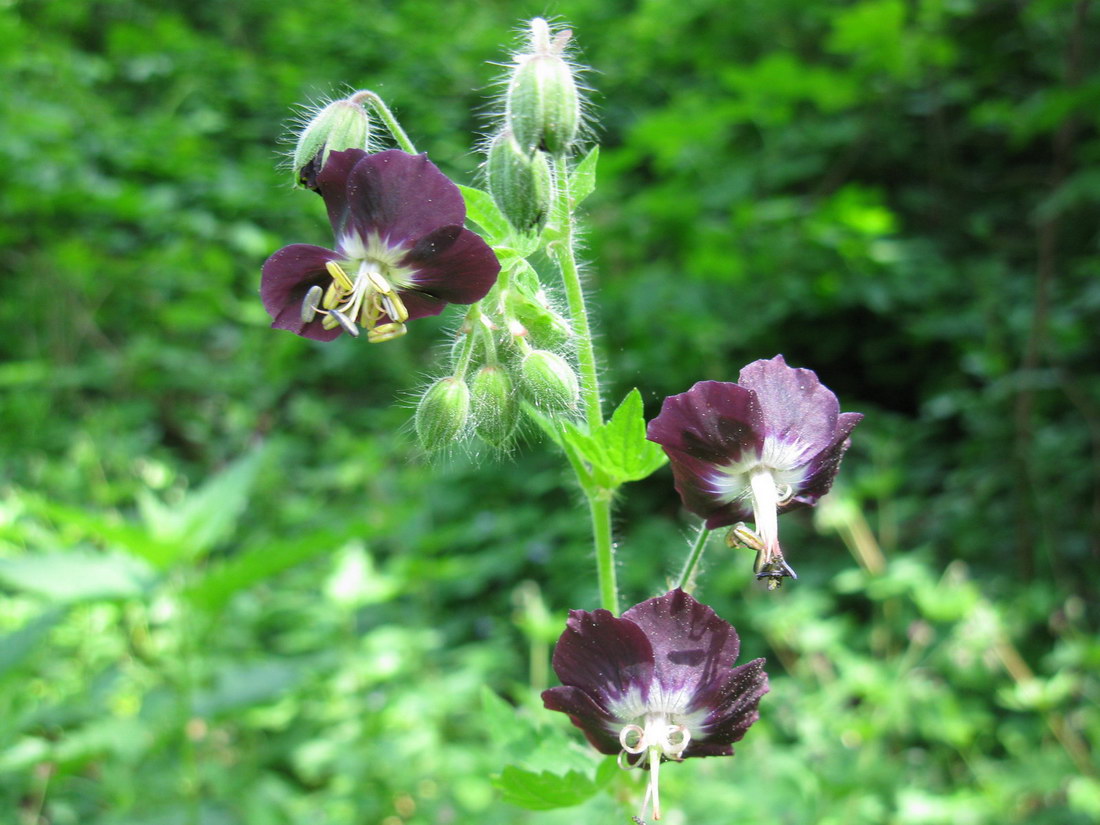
(542, 117)
(514, 350)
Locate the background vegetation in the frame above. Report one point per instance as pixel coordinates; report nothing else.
(233, 594)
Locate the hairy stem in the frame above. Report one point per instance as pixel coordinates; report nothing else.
(383, 111)
(692, 562)
(599, 499)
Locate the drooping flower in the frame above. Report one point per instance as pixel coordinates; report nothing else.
(656, 684)
(766, 445)
(401, 252)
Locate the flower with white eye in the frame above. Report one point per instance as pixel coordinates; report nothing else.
(657, 684)
(766, 445)
(401, 252)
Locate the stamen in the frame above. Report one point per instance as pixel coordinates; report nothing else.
(379, 282)
(332, 296)
(741, 536)
(395, 307)
(339, 276)
(309, 305)
(633, 734)
(785, 493)
(654, 781)
(385, 332)
(349, 326)
(765, 500)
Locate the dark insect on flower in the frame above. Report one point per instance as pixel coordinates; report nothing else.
(656, 684)
(768, 444)
(401, 252)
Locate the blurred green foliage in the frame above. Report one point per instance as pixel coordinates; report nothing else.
(233, 594)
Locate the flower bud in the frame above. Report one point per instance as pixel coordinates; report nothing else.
(496, 412)
(519, 182)
(548, 381)
(442, 413)
(542, 105)
(342, 124)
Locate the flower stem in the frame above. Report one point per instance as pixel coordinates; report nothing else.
(599, 499)
(574, 295)
(697, 548)
(383, 111)
(599, 505)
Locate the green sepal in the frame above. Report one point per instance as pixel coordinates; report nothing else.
(582, 181)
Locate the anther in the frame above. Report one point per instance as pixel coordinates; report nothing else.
(309, 305)
(385, 332)
(741, 536)
(332, 296)
(395, 308)
(345, 322)
(339, 276)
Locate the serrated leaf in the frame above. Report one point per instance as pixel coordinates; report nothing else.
(582, 182)
(618, 451)
(544, 791)
(76, 576)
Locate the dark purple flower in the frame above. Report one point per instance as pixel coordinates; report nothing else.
(768, 444)
(401, 252)
(656, 684)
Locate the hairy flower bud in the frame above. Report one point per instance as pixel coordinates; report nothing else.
(496, 413)
(548, 381)
(542, 105)
(342, 124)
(442, 413)
(519, 182)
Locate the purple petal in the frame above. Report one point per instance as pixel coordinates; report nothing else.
(693, 648)
(735, 700)
(332, 182)
(823, 469)
(287, 276)
(420, 305)
(399, 197)
(598, 725)
(691, 477)
(714, 421)
(606, 657)
(794, 404)
(453, 264)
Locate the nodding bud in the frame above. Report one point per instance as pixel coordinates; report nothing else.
(496, 412)
(543, 106)
(442, 413)
(519, 182)
(549, 382)
(342, 124)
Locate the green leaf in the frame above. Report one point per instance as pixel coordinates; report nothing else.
(18, 645)
(481, 209)
(222, 580)
(544, 791)
(582, 182)
(208, 515)
(76, 576)
(132, 538)
(618, 451)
